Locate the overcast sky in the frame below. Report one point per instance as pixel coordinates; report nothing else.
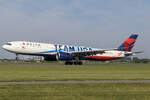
(94, 23)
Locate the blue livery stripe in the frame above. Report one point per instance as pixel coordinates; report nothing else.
(131, 44)
(134, 36)
(52, 51)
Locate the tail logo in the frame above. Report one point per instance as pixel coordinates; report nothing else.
(129, 43)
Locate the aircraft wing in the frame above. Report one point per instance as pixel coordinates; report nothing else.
(86, 53)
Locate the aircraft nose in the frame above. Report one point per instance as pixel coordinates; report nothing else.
(4, 46)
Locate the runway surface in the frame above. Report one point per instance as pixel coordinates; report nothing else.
(75, 82)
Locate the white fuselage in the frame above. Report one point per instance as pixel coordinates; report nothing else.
(44, 49)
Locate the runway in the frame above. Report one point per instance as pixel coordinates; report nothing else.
(74, 82)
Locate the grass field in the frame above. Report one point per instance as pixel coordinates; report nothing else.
(76, 92)
(44, 72)
(100, 71)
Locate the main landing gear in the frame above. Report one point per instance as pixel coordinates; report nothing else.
(73, 63)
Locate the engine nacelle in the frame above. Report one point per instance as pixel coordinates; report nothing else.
(59, 56)
(50, 58)
(64, 56)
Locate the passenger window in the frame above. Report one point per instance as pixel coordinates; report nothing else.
(27, 43)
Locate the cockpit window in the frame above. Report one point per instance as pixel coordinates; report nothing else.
(8, 44)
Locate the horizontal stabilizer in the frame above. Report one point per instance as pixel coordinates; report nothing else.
(133, 53)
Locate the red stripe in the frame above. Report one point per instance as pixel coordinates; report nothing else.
(103, 57)
(128, 42)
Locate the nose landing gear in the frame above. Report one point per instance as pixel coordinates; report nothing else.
(17, 58)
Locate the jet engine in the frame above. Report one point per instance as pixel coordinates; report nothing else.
(50, 58)
(59, 56)
(63, 56)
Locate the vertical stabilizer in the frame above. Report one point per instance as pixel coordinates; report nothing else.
(129, 43)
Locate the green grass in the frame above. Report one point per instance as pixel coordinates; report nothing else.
(98, 71)
(76, 92)
(44, 72)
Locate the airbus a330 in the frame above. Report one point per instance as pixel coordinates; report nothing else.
(71, 54)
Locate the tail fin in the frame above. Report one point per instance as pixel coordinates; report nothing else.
(129, 43)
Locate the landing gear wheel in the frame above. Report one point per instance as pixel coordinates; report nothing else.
(75, 63)
(78, 63)
(68, 63)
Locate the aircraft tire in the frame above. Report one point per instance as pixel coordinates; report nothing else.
(80, 63)
(68, 63)
(71, 63)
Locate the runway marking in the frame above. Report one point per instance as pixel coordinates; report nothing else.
(74, 82)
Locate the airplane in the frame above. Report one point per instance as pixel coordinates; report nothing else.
(71, 54)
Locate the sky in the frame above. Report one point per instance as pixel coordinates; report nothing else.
(93, 23)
